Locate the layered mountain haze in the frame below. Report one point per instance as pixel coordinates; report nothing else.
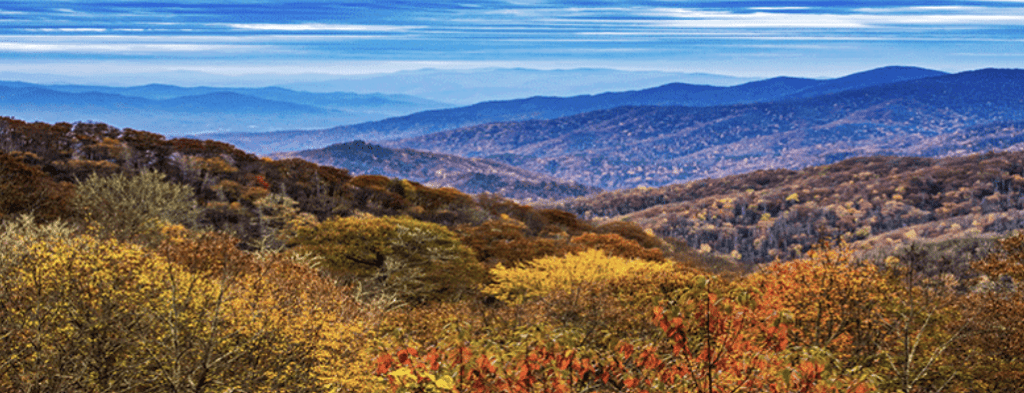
(538, 107)
(176, 111)
(470, 86)
(628, 147)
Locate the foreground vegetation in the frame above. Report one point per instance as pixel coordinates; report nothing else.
(186, 266)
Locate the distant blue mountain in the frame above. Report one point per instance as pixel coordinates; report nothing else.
(875, 77)
(466, 87)
(627, 147)
(332, 100)
(545, 108)
(174, 110)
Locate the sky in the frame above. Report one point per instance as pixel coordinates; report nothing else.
(739, 38)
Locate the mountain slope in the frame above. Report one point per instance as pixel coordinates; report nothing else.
(652, 146)
(469, 175)
(534, 108)
(872, 202)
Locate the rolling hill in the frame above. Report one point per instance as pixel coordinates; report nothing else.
(876, 203)
(469, 175)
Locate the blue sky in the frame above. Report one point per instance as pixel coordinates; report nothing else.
(743, 38)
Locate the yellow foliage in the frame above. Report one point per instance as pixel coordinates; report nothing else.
(567, 273)
(83, 314)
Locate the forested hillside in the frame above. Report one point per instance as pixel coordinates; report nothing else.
(133, 263)
(873, 203)
(469, 175)
(628, 147)
(256, 198)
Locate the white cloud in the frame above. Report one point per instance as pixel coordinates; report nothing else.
(317, 27)
(109, 48)
(955, 8)
(691, 18)
(69, 30)
(778, 8)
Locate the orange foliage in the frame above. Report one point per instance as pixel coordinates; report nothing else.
(715, 340)
(831, 298)
(26, 189)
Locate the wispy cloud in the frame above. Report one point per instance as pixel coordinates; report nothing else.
(68, 30)
(314, 27)
(135, 48)
(539, 31)
(864, 18)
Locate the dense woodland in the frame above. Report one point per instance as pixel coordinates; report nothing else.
(469, 175)
(874, 202)
(132, 263)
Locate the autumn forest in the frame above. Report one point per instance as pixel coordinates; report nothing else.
(130, 262)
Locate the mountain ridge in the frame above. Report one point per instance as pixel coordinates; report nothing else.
(533, 108)
(173, 110)
(650, 146)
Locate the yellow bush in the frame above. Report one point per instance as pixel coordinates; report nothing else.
(567, 273)
(84, 314)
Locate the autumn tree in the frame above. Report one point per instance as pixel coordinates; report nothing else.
(133, 207)
(617, 245)
(716, 337)
(25, 188)
(992, 346)
(725, 338)
(571, 273)
(834, 300)
(919, 328)
(393, 255)
(83, 314)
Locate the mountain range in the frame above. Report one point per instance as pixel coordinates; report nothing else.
(554, 147)
(545, 108)
(470, 86)
(176, 111)
(456, 86)
(633, 146)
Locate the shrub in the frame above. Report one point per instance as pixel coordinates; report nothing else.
(413, 259)
(134, 208)
(569, 273)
